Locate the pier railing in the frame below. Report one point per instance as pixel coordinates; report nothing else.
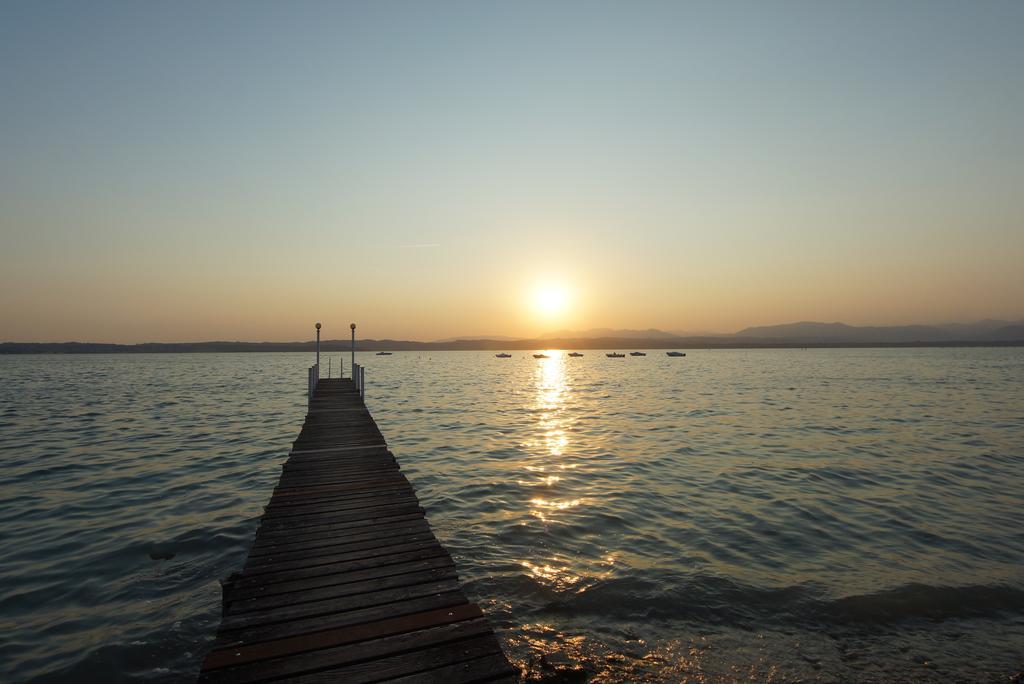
(359, 377)
(314, 378)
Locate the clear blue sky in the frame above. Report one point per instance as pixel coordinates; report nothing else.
(236, 170)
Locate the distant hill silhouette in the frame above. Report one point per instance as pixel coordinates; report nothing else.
(593, 333)
(1007, 333)
(503, 338)
(802, 334)
(980, 329)
(811, 331)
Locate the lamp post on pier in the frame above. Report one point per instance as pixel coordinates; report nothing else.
(353, 327)
(318, 349)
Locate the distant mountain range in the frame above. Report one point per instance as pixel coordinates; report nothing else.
(503, 338)
(593, 333)
(807, 331)
(803, 334)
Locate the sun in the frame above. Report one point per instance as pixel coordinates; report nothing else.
(551, 300)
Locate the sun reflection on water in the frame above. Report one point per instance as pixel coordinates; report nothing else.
(550, 439)
(560, 577)
(546, 468)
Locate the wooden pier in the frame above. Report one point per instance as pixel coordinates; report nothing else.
(345, 581)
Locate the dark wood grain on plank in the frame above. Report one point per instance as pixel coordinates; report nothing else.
(493, 668)
(342, 604)
(285, 504)
(302, 626)
(290, 566)
(338, 583)
(311, 542)
(328, 575)
(421, 660)
(379, 541)
(339, 590)
(354, 515)
(347, 654)
(247, 653)
(429, 550)
(335, 529)
(320, 489)
(315, 508)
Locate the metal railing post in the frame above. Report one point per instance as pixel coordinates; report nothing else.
(310, 386)
(359, 378)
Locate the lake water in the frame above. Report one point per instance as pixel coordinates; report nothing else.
(765, 515)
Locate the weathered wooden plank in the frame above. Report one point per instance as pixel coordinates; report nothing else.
(312, 541)
(317, 507)
(318, 489)
(346, 654)
(302, 564)
(336, 465)
(294, 523)
(325, 575)
(341, 604)
(293, 555)
(358, 447)
(339, 590)
(493, 668)
(296, 506)
(387, 489)
(329, 438)
(290, 576)
(300, 463)
(322, 530)
(322, 479)
(284, 504)
(279, 648)
(429, 658)
(311, 468)
(320, 623)
(323, 586)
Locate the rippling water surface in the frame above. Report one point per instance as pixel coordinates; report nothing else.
(822, 515)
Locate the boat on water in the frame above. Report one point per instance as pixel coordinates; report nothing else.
(575, 354)
(638, 353)
(675, 354)
(503, 355)
(541, 356)
(383, 353)
(615, 355)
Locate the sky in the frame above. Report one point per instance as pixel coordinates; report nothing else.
(238, 170)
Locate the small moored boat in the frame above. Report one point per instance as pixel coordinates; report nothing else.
(637, 353)
(541, 356)
(383, 353)
(615, 355)
(675, 354)
(575, 354)
(503, 355)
